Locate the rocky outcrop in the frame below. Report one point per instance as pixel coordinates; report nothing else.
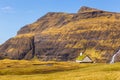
(87, 9)
(86, 12)
(18, 48)
(62, 36)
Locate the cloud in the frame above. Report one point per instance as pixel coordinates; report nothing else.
(7, 9)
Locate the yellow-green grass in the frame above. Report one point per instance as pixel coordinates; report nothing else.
(81, 57)
(23, 67)
(36, 70)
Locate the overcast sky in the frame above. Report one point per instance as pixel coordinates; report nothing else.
(14, 14)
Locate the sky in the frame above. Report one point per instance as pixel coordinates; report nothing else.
(14, 14)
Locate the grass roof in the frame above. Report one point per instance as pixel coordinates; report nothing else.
(81, 57)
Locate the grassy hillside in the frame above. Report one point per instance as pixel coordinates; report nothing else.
(62, 36)
(99, 35)
(35, 70)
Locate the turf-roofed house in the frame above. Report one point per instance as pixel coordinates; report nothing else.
(82, 58)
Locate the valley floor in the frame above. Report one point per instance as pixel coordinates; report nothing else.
(36, 70)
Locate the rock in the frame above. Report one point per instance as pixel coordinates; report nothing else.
(18, 48)
(87, 9)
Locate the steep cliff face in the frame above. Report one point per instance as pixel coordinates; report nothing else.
(62, 36)
(18, 48)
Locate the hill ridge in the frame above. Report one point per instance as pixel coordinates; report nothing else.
(61, 36)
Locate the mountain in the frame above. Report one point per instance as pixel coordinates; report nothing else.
(62, 36)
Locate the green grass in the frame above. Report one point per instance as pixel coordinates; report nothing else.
(81, 57)
(36, 70)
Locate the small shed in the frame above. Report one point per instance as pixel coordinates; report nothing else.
(83, 59)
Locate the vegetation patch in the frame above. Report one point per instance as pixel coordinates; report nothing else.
(37, 70)
(80, 57)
